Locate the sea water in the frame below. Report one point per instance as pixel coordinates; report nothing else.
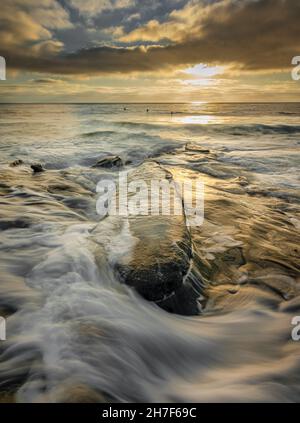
(73, 331)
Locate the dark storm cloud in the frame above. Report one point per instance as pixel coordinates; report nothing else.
(252, 34)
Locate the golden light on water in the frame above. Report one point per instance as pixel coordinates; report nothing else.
(196, 120)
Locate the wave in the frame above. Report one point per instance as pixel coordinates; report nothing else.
(99, 132)
(243, 130)
(264, 129)
(217, 128)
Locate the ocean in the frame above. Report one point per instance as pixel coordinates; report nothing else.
(74, 332)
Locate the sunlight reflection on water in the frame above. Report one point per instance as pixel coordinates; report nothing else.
(197, 120)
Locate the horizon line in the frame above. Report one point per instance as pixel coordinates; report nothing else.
(157, 102)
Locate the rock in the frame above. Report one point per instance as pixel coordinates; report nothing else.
(233, 291)
(37, 168)
(20, 223)
(196, 149)
(158, 263)
(242, 181)
(16, 162)
(109, 161)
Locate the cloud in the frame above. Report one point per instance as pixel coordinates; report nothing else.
(127, 13)
(249, 34)
(26, 27)
(45, 81)
(254, 34)
(179, 26)
(91, 7)
(154, 89)
(204, 71)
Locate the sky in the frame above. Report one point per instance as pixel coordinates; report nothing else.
(149, 50)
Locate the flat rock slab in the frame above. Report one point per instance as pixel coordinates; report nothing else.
(158, 263)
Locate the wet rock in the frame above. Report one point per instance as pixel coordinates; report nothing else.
(160, 260)
(233, 291)
(186, 299)
(242, 181)
(196, 148)
(17, 162)
(19, 223)
(109, 162)
(59, 187)
(37, 168)
(234, 256)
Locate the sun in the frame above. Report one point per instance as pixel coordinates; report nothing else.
(204, 71)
